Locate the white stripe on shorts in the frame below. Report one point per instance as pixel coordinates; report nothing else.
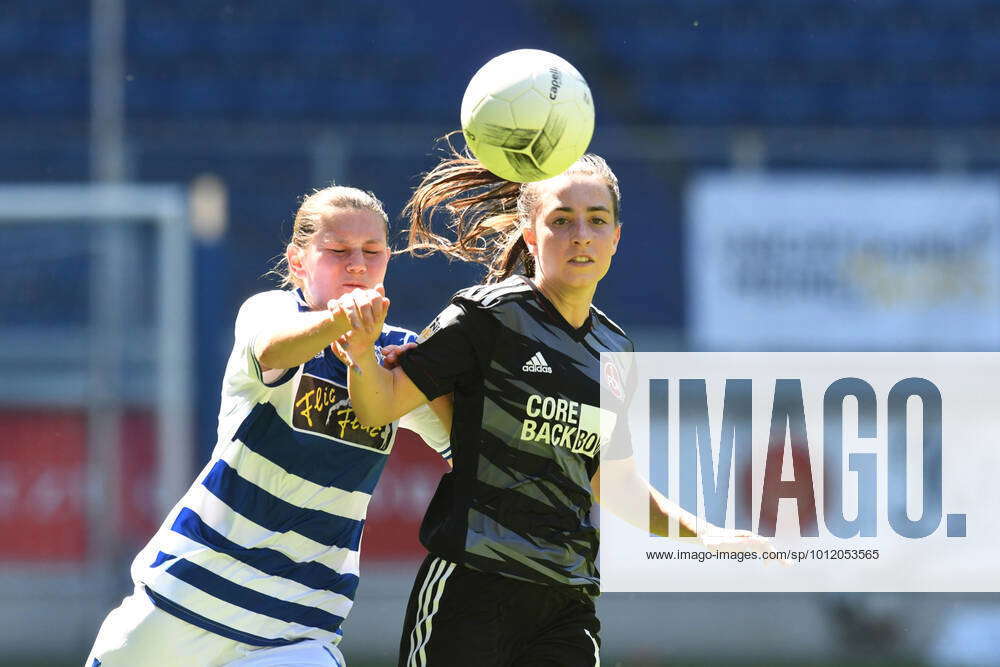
(416, 633)
(428, 601)
(597, 650)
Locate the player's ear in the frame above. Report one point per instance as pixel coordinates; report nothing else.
(293, 256)
(530, 238)
(618, 237)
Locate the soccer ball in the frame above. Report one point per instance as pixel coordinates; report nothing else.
(527, 115)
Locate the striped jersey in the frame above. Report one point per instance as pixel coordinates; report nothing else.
(263, 548)
(526, 432)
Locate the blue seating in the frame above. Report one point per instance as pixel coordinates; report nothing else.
(877, 105)
(911, 47)
(965, 104)
(828, 47)
(701, 103)
(656, 46)
(799, 104)
(984, 52)
(861, 63)
(61, 94)
(772, 62)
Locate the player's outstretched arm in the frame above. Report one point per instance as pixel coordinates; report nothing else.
(300, 337)
(644, 502)
(380, 396)
(661, 509)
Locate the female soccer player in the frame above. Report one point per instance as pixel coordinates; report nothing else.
(511, 574)
(258, 563)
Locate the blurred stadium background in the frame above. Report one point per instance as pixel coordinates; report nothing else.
(205, 121)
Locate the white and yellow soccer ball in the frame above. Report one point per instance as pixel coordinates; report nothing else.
(527, 115)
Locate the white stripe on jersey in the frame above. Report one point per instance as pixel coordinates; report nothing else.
(237, 617)
(244, 532)
(264, 474)
(249, 577)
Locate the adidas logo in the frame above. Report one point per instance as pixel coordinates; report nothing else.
(537, 364)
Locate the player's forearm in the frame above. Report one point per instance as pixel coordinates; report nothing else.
(633, 499)
(372, 390)
(661, 509)
(444, 409)
(297, 341)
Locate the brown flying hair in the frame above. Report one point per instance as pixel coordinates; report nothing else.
(486, 212)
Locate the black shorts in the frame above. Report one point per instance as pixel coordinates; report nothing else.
(460, 617)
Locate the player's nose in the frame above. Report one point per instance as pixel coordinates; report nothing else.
(356, 262)
(582, 234)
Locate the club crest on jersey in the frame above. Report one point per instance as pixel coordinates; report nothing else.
(444, 318)
(428, 331)
(536, 364)
(324, 408)
(612, 379)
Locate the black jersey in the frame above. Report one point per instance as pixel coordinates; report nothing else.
(526, 432)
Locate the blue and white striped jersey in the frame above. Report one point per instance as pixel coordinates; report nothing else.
(263, 548)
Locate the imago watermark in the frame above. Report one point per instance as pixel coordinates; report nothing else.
(859, 471)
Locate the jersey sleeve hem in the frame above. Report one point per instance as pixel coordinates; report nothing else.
(420, 378)
(422, 421)
(285, 377)
(258, 373)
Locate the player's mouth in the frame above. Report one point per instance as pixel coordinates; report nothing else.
(356, 285)
(581, 259)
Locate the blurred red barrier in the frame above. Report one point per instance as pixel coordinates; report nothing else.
(42, 464)
(43, 485)
(394, 516)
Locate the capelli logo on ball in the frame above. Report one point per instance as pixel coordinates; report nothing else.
(864, 471)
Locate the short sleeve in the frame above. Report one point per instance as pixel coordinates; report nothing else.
(255, 315)
(450, 351)
(426, 424)
(620, 446)
(620, 443)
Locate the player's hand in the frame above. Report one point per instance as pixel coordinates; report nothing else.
(338, 315)
(365, 310)
(362, 312)
(342, 322)
(716, 538)
(392, 353)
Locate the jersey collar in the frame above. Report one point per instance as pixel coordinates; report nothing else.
(553, 312)
(300, 300)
